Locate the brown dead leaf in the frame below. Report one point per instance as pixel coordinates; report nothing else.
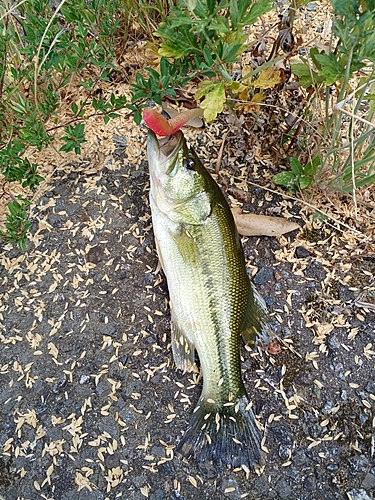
(262, 225)
(246, 106)
(96, 164)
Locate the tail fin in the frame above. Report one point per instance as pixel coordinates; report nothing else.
(226, 434)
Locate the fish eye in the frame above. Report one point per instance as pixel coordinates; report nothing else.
(189, 164)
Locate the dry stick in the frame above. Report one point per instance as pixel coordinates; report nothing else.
(6, 193)
(310, 206)
(352, 165)
(218, 161)
(340, 104)
(357, 300)
(352, 115)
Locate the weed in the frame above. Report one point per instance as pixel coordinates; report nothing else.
(301, 176)
(347, 148)
(40, 49)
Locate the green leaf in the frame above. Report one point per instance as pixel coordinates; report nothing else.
(296, 167)
(312, 166)
(331, 69)
(306, 75)
(191, 4)
(258, 9)
(305, 182)
(345, 7)
(313, 53)
(284, 179)
(74, 108)
(208, 57)
(137, 117)
(14, 208)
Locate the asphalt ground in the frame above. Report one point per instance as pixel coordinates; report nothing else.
(91, 405)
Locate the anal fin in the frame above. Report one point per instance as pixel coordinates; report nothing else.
(256, 325)
(183, 350)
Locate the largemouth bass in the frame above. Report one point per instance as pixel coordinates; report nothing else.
(212, 300)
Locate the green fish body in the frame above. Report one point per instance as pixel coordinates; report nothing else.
(212, 300)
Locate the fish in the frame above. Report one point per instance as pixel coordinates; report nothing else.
(212, 301)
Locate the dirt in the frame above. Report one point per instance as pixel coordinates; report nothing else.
(91, 403)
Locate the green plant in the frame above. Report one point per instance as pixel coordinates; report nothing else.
(17, 225)
(301, 176)
(346, 76)
(40, 50)
(203, 38)
(159, 84)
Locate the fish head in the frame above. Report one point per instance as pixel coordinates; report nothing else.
(179, 182)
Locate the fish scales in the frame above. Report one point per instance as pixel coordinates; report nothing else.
(211, 298)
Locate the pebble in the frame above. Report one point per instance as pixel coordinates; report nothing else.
(95, 254)
(120, 140)
(332, 467)
(370, 387)
(359, 463)
(269, 300)
(344, 293)
(71, 208)
(284, 451)
(299, 457)
(139, 480)
(311, 7)
(304, 378)
(315, 269)
(283, 490)
(368, 482)
(123, 359)
(157, 495)
(281, 434)
(309, 483)
(333, 343)
(357, 494)
(112, 461)
(302, 252)
(83, 379)
(262, 276)
(54, 220)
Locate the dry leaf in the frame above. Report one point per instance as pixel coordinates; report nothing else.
(262, 225)
(246, 106)
(268, 78)
(96, 164)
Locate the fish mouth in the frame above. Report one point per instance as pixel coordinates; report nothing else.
(162, 153)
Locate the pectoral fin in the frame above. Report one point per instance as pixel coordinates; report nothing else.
(187, 247)
(183, 350)
(255, 326)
